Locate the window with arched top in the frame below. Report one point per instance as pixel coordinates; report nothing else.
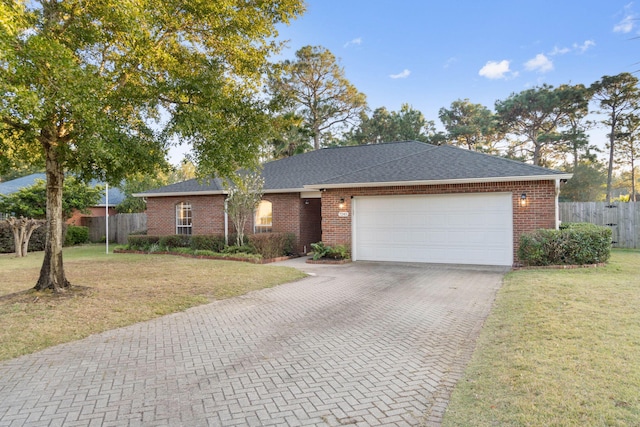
(264, 217)
(184, 218)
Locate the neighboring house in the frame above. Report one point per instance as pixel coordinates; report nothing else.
(115, 197)
(403, 201)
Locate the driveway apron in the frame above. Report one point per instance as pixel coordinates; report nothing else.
(357, 344)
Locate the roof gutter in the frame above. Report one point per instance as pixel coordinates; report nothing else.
(215, 192)
(441, 181)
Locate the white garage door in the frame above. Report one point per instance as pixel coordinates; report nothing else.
(452, 229)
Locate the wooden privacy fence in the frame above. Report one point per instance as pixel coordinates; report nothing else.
(622, 218)
(120, 226)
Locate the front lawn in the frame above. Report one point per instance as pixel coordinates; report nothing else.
(560, 347)
(114, 290)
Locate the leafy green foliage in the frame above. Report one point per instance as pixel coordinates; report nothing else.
(472, 126)
(573, 244)
(408, 124)
(76, 235)
(207, 242)
(586, 185)
(175, 241)
(243, 197)
(537, 117)
(320, 250)
(7, 243)
(141, 243)
(314, 87)
(100, 88)
(30, 202)
(273, 245)
(618, 97)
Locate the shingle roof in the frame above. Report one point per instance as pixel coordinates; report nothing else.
(397, 162)
(116, 196)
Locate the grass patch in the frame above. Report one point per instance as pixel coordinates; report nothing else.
(114, 290)
(561, 347)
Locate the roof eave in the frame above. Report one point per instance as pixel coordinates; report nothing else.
(180, 193)
(441, 181)
(214, 192)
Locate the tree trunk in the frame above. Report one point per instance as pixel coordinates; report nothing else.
(52, 272)
(17, 226)
(32, 224)
(612, 141)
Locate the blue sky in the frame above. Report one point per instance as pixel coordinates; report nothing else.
(430, 53)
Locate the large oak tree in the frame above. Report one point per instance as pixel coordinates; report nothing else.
(99, 88)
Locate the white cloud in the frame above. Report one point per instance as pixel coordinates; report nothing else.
(495, 70)
(354, 42)
(403, 75)
(540, 63)
(584, 46)
(450, 62)
(559, 51)
(628, 21)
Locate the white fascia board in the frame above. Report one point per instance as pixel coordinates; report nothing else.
(310, 194)
(213, 193)
(442, 181)
(180, 193)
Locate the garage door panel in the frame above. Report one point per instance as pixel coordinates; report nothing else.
(461, 229)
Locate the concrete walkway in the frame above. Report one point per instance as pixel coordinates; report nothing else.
(358, 344)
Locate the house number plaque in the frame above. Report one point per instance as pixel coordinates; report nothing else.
(343, 214)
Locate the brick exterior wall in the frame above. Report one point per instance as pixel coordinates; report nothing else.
(77, 218)
(310, 223)
(207, 211)
(290, 215)
(540, 211)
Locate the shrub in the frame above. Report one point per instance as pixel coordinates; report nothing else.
(273, 245)
(204, 252)
(338, 252)
(141, 243)
(174, 241)
(320, 250)
(76, 235)
(232, 250)
(36, 243)
(209, 243)
(579, 243)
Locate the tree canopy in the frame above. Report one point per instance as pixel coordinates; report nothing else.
(389, 126)
(314, 86)
(469, 125)
(30, 202)
(618, 98)
(100, 88)
(538, 115)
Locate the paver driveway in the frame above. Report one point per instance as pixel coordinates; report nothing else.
(360, 344)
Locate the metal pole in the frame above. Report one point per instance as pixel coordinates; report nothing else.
(106, 210)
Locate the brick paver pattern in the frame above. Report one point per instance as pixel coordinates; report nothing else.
(362, 344)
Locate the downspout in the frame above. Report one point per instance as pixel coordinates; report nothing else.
(557, 204)
(226, 223)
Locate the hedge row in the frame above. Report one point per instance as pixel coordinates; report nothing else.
(269, 245)
(573, 244)
(73, 235)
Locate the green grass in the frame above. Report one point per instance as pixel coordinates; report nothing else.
(114, 290)
(560, 348)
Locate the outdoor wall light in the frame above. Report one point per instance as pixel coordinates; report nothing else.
(523, 199)
(341, 205)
